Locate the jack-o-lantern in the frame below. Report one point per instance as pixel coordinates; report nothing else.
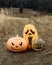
(16, 44)
(30, 33)
(38, 44)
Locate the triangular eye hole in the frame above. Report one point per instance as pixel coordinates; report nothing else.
(26, 31)
(12, 43)
(20, 44)
(32, 31)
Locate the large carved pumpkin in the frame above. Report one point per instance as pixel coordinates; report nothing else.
(16, 44)
(30, 33)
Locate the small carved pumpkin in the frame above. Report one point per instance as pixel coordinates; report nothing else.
(16, 44)
(38, 44)
(30, 33)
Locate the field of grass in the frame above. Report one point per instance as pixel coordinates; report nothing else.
(11, 26)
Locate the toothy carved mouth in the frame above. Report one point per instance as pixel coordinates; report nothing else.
(13, 48)
(38, 46)
(30, 40)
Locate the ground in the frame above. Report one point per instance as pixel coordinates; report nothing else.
(11, 26)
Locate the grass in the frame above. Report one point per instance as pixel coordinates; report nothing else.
(11, 26)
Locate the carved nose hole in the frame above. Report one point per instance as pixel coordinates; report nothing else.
(29, 33)
(16, 46)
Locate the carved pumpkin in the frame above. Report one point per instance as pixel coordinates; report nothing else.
(16, 44)
(30, 33)
(38, 44)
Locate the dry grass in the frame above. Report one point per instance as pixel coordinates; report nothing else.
(11, 26)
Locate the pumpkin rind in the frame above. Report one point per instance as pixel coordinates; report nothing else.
(16, 44)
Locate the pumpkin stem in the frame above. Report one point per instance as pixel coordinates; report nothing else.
(17, 36)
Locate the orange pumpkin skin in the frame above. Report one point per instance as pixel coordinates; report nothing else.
(30, 33)
(16, 44)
